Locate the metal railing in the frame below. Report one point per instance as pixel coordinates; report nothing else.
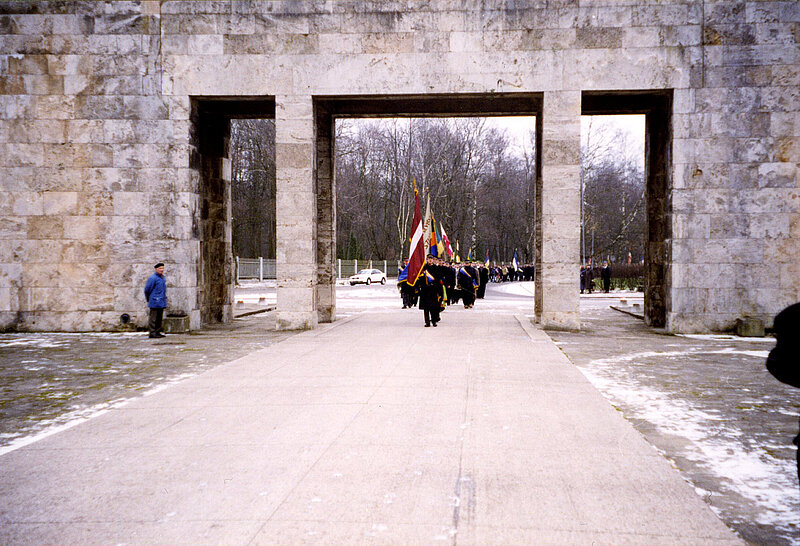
(345, 268)
(265, 269)
(255, 268)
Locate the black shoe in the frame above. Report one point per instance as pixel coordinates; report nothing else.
(434, 325)
(427, 326)
(157, 335)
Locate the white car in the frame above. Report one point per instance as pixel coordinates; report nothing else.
(368, 276)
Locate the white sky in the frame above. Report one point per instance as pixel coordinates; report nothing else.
(630, 127)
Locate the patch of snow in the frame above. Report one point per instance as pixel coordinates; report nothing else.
(521, 288)
(728, 337)
(769, 482)
(76, 417)
(731, 351)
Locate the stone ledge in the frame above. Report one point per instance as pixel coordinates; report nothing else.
(176, 324)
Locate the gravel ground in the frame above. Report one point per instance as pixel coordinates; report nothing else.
(708, 404)
(49, 380)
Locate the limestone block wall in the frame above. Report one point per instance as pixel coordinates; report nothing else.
(95, 185)
(99, 175)
(736, 193)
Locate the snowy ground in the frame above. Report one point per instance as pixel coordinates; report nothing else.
(706, 402)
(49, 382)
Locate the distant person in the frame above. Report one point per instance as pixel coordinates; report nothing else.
(783, 361)
(483, 274)
(431, 293)
(467, 282)
(155, 292)
(407, 291)
(583, 278)
(605, 274)
(589, 278)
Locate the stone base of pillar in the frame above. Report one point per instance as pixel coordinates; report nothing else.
(295, 320)
(560, 320)
(326, 303)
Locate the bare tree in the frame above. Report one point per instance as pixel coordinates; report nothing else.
(252, 151)
(612, 187)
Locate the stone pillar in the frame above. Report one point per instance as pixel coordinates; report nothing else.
(657, 189)
(216, 280)
(326, 216)
(296, 216)
(558, 212)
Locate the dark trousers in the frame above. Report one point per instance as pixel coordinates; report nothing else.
(154, 324)
(468, 297)
(431, 315)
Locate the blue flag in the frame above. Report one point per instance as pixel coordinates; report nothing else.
(403, 276)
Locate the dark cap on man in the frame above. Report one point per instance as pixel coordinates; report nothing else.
(159, 264)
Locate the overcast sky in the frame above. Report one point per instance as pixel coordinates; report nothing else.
(630, 142)
(631, 128)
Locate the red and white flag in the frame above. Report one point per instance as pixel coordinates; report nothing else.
(448, 247)
(416, 254)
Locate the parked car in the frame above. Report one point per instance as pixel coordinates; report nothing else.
(368, 276)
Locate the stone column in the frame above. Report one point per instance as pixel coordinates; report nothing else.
(558, 212)
(326, 217)
(216, 281)
(296, 213)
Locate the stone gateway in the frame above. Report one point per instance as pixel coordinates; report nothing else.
(115, 120)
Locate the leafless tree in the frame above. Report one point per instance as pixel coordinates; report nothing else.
(252, 152)
(612, 183)
(482, 188)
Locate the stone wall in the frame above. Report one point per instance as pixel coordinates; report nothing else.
(100, 175)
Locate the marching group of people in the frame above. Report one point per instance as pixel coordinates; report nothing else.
(442, 283)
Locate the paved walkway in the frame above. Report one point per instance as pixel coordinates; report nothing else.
(373, 430)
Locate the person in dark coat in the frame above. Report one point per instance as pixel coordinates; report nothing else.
(605, 274)
(483, 274)
(583, 278)
(155, 292)
(783, 361)
(467, 281)
(449, 281)
(430, 293)
(407, 292)
(589, 278)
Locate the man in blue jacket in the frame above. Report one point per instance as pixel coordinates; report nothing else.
(155, 291)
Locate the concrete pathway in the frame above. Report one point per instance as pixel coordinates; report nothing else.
(373, 430)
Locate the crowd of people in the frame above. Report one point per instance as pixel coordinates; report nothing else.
(589, 273)
(506, 273)
(442, 283)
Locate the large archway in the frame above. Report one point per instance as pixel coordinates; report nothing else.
(211, 130)
(555, 263)
(327, 109)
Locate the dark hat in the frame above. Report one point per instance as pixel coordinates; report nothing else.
(159, 264)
